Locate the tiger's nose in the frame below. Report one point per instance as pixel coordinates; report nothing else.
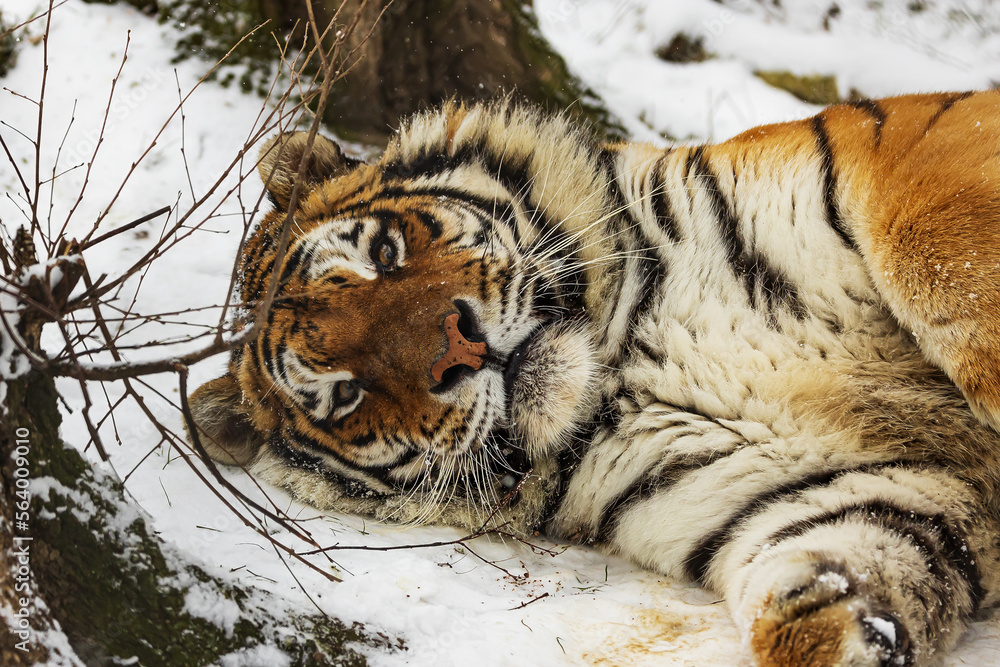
(458, 328)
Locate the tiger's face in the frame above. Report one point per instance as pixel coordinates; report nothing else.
(423, 338)
(398, 332)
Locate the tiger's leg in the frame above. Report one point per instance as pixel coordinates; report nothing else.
(930, 229)
(880, 568)
(941, 277)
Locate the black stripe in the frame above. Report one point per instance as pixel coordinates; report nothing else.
(380, 472)
(661, 201)
(386, 216)
(352, 488)
(511, 171)
(431, 223)
(236, 358)
(608, 413)
(691, 179)
(618, 204)
(567, 461)
(618, 230)
(695, 159)
(833, 216)
(648, 485)
(273, 199)
(640, 346)
(920, 529)
(489, 213)
(945, 106)
(293, 262)
(750, 267)
(362, 441)
(261, 277)
(651, 272)
(728, 223)
(318, 365)
(729, 232)
(269, 239)
(265, 353)
(278, 360)
(491, 210)
(353, 235)
(430, 432)
(875, 110)
(310, 399)
(697, 561)
(776, 289)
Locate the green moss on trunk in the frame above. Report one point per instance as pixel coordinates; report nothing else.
(112, 584)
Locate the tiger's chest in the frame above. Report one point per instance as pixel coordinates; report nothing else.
(742, 314)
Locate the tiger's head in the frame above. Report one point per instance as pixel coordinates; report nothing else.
(431, 340)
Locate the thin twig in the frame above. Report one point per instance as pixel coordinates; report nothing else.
(531, 601)
(35, 226)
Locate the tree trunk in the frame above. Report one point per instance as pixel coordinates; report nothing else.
(406, 55)
(424, 52)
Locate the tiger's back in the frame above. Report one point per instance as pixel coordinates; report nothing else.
(768, 347)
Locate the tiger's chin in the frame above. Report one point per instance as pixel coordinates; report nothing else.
(552, 383)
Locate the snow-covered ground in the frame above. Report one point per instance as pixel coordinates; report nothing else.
(450, 607)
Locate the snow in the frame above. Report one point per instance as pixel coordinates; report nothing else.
(84, 507)
(61, 653)
(258, 656)
(876, 48)
(203, 601)
(13, 364)
(834, 581)
(577, 606)
(883, 627)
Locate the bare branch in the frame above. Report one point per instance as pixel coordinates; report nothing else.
(35, 226)
(124, 228)
(33, 19)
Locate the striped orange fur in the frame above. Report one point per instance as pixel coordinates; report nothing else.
(769, 365)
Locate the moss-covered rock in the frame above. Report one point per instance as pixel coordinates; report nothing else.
(684, 48)
(815, 89)
(117, 591)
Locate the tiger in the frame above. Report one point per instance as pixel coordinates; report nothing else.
(769, 365)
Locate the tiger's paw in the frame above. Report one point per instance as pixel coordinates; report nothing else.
(554, 388)
(827, 622)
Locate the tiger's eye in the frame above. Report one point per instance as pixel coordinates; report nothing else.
(345, 391)
(386, 255)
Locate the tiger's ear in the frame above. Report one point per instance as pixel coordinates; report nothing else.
(279, 163)
(223, 420)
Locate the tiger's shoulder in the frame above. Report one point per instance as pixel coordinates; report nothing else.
(893, 202)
